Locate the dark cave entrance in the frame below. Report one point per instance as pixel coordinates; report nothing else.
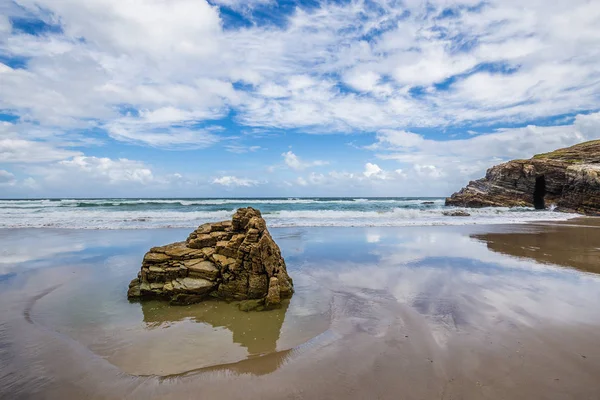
(539, 192)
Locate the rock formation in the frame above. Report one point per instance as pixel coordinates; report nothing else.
(230, 260)
(567, 178)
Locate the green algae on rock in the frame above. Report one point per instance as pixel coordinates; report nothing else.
(229, 260)
(567, 178)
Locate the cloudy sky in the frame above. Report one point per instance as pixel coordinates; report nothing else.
(196, 98)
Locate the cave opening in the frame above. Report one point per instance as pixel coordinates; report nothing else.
(539, 192)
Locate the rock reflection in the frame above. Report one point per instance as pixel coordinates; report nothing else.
(257, 332)
(568, 246)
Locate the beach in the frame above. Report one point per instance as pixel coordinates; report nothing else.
(299, 200)
(504, 311)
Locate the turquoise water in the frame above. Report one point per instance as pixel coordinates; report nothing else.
(115, 213)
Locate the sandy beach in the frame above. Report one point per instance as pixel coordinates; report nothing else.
(451, 312)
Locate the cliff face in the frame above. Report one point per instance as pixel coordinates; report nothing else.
(230, 260)
(567, 178)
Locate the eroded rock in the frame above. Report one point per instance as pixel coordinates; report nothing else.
(566, 178)
(230, 260)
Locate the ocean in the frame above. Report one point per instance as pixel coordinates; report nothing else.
(121, 213)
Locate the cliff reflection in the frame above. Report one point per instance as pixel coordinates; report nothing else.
(564, 245)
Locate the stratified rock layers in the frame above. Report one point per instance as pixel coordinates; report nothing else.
(567, 178)
(230, 260)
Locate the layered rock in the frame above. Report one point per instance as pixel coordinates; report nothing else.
(230, 260)
(567, 178)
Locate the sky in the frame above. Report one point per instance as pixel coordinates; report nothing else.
(246, 98)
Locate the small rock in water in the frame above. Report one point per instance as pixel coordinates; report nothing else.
(457, 213)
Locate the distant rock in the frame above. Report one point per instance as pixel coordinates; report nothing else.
(456, 213)
(428, 202)
(567, 178)
(230, 260)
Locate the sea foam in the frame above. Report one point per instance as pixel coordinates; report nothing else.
(280, 212)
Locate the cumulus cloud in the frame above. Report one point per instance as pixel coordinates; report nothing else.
(373, 180)
(294, 162)
(6, 178)
(449, 164)
(113, 171)
(180, 74)
(233, 181)
(89, 176)
(446, 62)
(372, 170)
(162, 135)
(14, 150)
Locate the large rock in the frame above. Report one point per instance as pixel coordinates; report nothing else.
(230, 260)
(567, 178)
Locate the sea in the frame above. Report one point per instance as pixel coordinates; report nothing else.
(147, 213)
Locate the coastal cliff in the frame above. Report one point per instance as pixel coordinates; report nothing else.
(567, 178)
(230, 260)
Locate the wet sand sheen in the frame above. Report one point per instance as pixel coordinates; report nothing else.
(574, 243)
(432, 312)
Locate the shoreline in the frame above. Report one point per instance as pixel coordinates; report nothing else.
(115, 214)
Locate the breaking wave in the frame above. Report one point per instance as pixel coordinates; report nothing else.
(280, 212)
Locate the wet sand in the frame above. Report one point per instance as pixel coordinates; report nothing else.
(573, 244)
(495, 312)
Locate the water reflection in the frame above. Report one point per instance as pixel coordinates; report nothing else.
(258, 332)
(390, 301)
(457, 282)
(565, 245)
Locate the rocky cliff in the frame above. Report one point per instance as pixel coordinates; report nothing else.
(230, 260)
(567, 178)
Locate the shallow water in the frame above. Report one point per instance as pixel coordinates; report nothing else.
(425, 311)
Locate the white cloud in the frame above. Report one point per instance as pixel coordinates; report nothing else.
(5, 25)
(7, 178)
(450, 164)
(30, 183)
(152, 72)
(240, 4)
(387, 137)
(89, 176)
(112, 171)
(163, 135)
(429, 171)
(13, 150)
(372, 170)
(185, 71)
(239, 149)
(294, 162)
(232, 181)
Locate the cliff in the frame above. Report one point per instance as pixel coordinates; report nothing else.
(568, 178)
(230, 260)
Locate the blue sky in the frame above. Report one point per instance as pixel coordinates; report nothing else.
(195, 98)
